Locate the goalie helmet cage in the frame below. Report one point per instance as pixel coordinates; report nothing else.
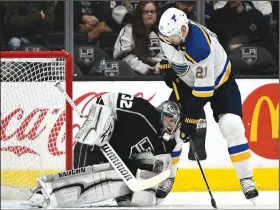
(36, 121)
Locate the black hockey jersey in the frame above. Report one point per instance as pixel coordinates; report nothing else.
(137, 126)
(137, 129)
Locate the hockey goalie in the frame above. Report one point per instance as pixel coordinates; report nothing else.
(145, 137)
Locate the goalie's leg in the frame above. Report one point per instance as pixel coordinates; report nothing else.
(82, 186)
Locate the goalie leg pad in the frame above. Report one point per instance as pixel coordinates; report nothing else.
(98, 126)
(82, 189)
(145, 197)
(140, 198)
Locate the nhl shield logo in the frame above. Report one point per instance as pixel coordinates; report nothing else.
(86, 54)
(249, 55)
(111, 69)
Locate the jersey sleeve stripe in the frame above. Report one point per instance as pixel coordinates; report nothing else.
(179, 69)
(223, 77)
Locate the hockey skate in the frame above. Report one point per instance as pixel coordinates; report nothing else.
(249, 188)
(37, 200)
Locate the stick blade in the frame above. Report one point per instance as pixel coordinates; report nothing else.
(140, 185)
(213, 202)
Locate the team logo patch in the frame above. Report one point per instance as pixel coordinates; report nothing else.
(249, 55)
(86, 55)
(111, 69)
(143, 145)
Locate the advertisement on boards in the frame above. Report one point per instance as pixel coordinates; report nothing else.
(252, 92)
(260, 118)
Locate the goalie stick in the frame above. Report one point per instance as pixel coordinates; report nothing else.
(117, 163)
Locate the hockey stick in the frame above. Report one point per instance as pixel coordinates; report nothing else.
(213, 202)
(117, 163)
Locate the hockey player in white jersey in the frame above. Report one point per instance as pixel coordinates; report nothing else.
(145, 137)
(203, 69)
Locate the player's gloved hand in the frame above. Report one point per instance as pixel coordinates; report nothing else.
(147, 161)
(168, 73)
(188, 127)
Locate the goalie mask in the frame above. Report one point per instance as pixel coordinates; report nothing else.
(170, 119)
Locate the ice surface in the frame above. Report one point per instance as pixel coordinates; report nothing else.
(192, 200)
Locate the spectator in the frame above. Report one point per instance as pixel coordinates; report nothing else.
(237, 24)
(264, 7)
(94, 17)
(124, 15)
(138, 43)
(26, 21)
(186, 6)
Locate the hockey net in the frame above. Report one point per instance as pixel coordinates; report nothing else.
(36, 121)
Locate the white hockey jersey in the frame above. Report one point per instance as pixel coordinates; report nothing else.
(200, 62)
(124, 47)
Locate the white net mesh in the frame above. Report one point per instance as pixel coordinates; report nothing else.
(33, 122)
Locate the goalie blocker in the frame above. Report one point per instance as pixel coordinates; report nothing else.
(145, 137)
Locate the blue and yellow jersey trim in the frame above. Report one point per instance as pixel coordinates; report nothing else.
(203, 92)
(223, 77)
(239, 153)
(198, 44)
(176, 156)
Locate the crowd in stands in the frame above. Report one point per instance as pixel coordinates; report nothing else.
(125, 32)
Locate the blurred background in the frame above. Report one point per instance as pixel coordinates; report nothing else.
(117, 40)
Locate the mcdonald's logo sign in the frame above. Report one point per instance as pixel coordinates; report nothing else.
(261, 120)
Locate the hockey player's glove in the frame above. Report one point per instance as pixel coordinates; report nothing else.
(158, 163)
(168, 73)
(188, 128)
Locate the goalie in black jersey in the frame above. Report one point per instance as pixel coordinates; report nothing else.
(145, 137)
